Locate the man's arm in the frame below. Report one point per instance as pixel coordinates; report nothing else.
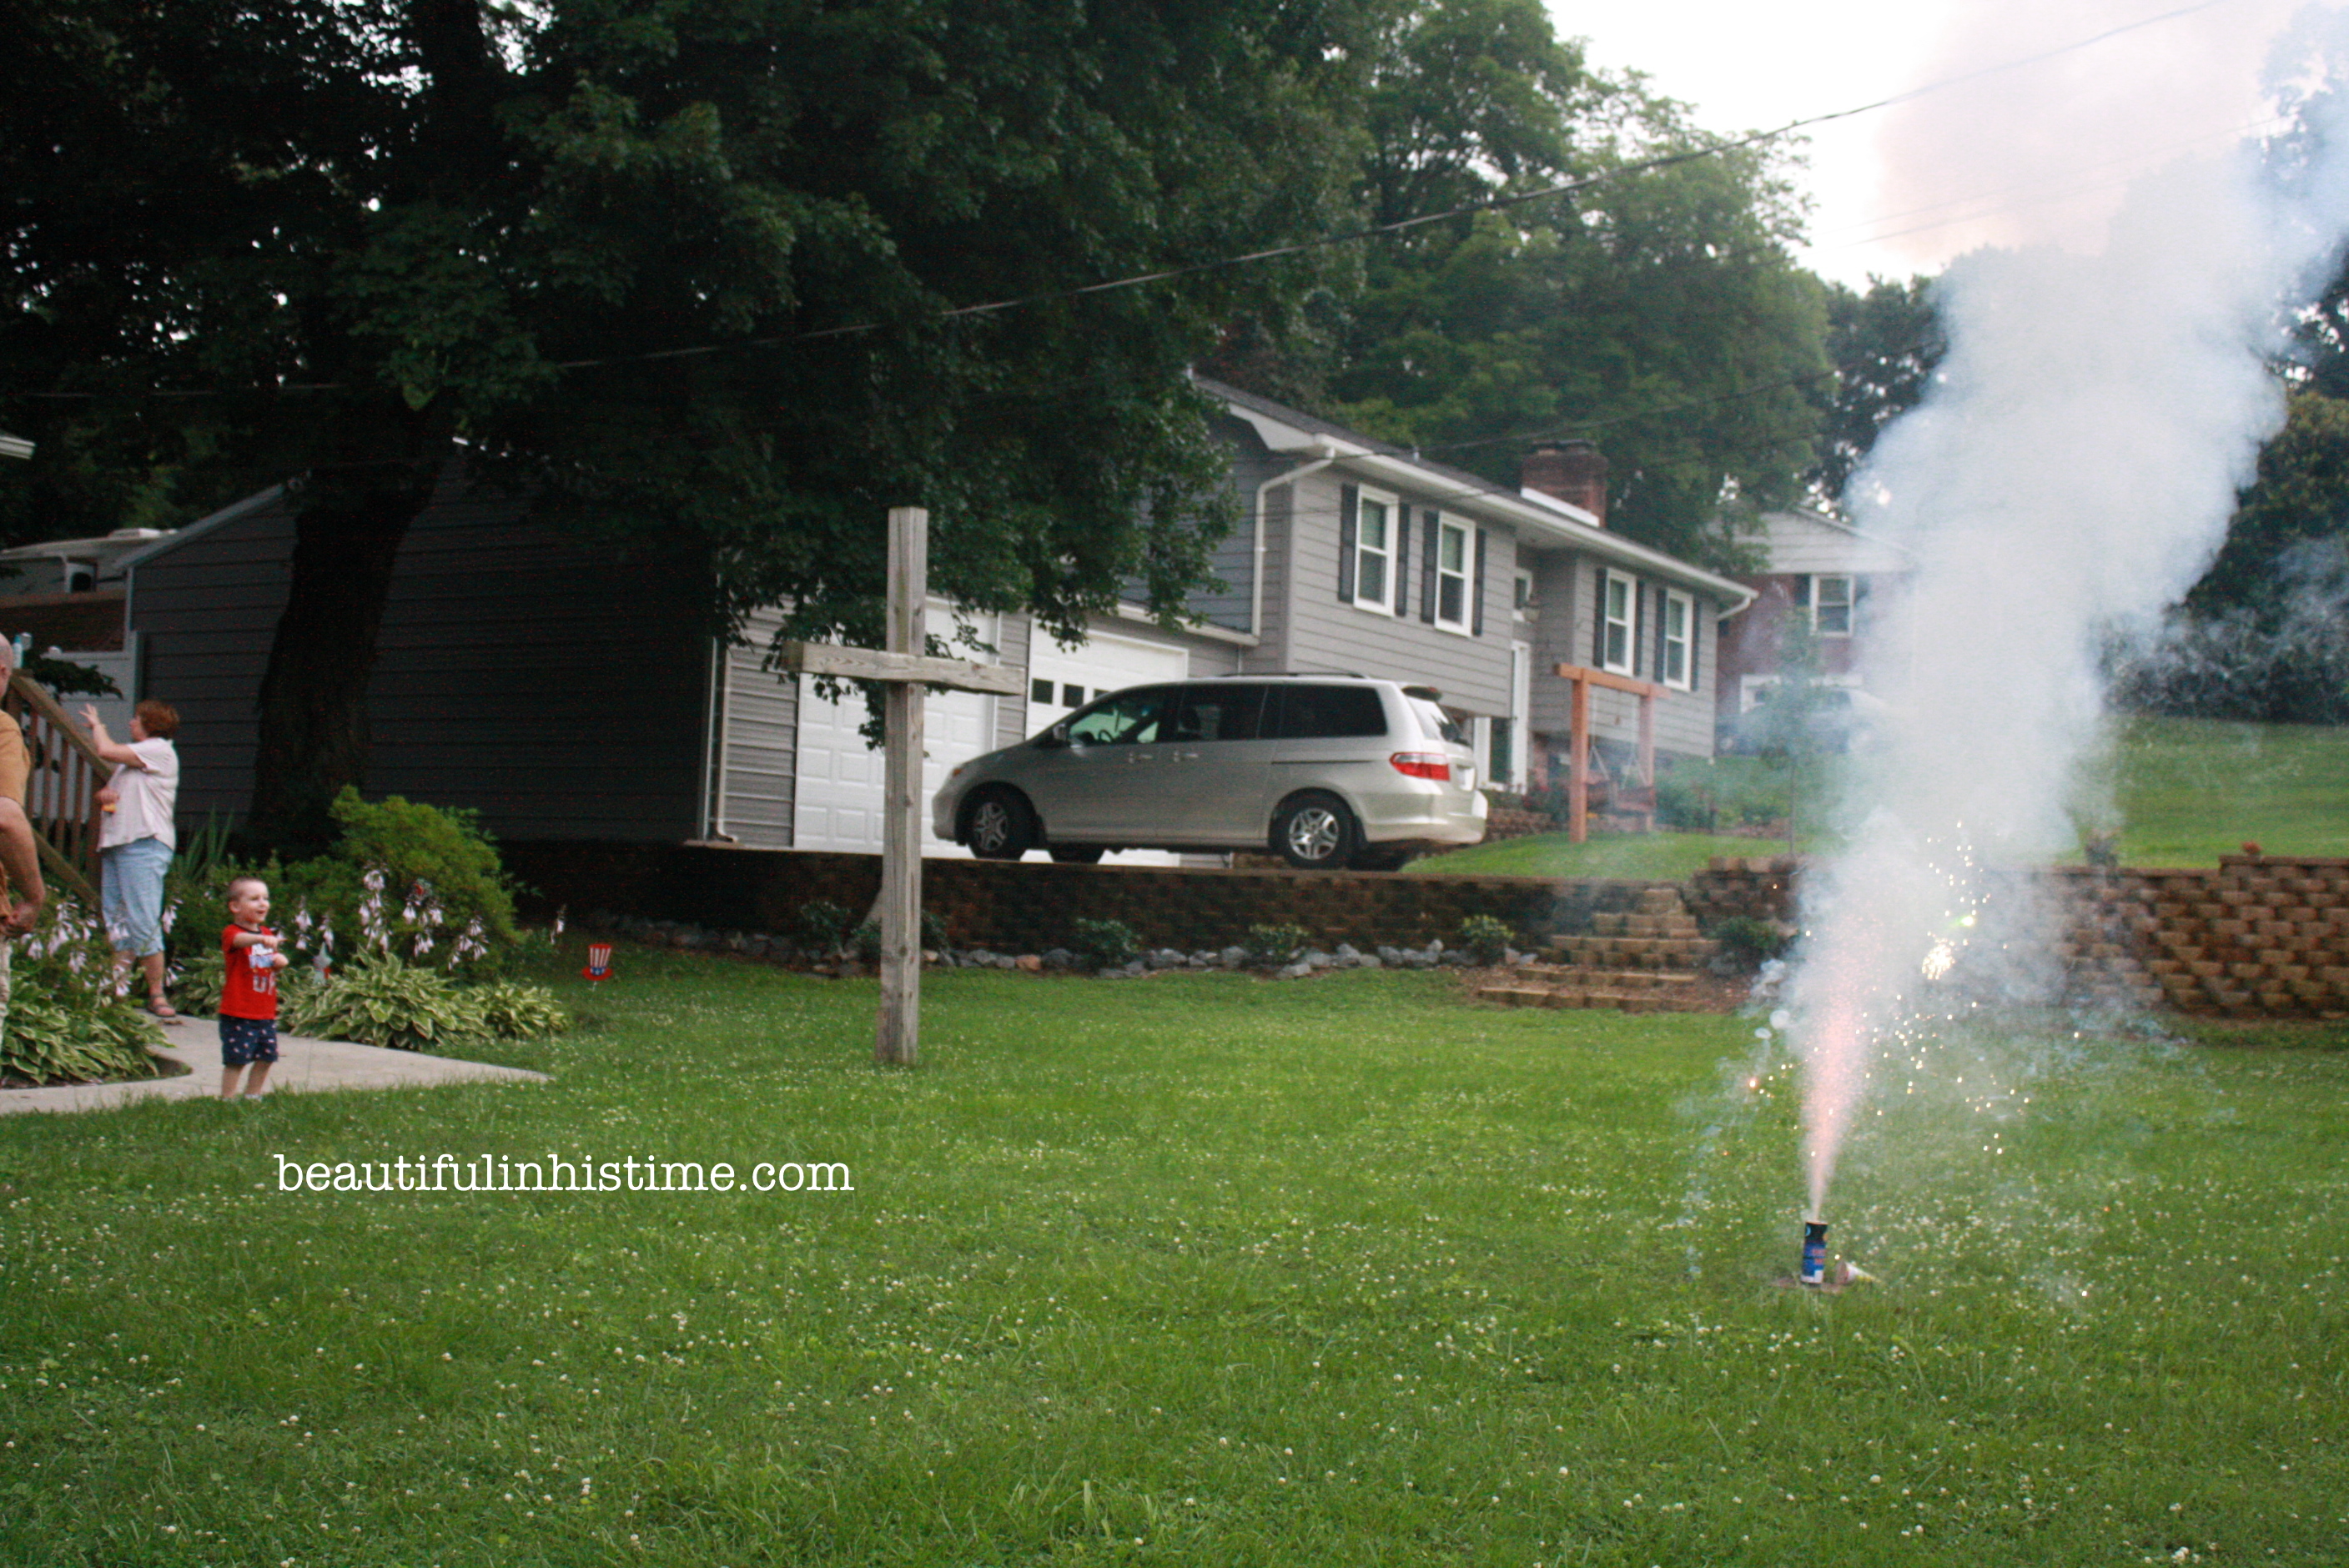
(20, 857)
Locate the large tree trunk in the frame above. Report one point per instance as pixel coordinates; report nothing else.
(314, 732)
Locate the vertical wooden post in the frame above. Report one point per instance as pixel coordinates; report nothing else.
(1648, 758)
(898, 1041)
(1577, 772)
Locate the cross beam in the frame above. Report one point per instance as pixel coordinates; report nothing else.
(905, 669)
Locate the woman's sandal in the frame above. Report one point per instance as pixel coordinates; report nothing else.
(162, 1010)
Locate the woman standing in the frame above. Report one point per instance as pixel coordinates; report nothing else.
(136, 841)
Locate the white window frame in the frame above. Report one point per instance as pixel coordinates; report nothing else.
(1386, 555)
(1521, 596)
(1848, 604)
(1684, 645)
(1447, 531)
(1610, 623)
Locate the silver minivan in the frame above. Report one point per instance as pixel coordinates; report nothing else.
(1327, 771)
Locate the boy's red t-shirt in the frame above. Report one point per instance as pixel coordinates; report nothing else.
(247, 992)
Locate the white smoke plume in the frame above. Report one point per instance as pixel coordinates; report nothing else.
(2074, 469)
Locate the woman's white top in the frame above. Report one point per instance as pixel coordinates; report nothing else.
(147, 795)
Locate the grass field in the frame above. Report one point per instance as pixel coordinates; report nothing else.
(2188, 790)
(1197, 1269)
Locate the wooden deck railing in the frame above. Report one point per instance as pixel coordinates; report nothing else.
(61, 794)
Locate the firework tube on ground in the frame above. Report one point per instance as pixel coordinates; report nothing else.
(1814, 1271)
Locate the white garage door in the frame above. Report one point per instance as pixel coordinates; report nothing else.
(1060, 680)
(837, 779)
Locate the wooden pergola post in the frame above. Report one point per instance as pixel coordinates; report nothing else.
(1577, 776)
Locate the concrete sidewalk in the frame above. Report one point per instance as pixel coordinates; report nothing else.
(304, 1067)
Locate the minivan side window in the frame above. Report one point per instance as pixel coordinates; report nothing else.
(1217, 713)
(1325, 713)
(1127, 718)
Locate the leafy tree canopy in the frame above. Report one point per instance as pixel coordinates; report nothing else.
(1659, 313)
(1885, 345)
(685, 267)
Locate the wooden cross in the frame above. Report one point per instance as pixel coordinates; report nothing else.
(905, 669)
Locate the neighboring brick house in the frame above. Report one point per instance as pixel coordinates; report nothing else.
(1837, 580)
(564, 693)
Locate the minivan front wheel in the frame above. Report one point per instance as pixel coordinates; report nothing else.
(1316, 832)
(1000, 827)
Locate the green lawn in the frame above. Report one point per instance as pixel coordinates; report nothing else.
(2188, 791)
(1197, 1270)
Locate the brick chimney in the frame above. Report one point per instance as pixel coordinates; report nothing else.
(1573, 471)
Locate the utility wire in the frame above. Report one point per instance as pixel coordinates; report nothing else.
(1272, 253)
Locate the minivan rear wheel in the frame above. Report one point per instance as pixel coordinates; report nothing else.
(1000, 827)
(1316, 832)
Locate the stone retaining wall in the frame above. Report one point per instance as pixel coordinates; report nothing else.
(2254, 937)
(1034, 905)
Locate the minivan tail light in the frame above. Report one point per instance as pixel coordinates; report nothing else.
(1423, 765)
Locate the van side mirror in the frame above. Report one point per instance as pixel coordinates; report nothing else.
(1055, 738)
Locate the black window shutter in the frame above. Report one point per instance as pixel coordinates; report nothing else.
(1350, 501)
(1664, 609)
(1401, 556)
(1429, 567)
(1476, 590)
(1599, 620)
(1803, 591)
(1696, 644)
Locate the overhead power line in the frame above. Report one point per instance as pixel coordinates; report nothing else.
(1248, 258)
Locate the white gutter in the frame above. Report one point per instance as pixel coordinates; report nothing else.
(1256, 570)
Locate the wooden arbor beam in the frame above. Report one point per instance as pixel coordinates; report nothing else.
(1577, 776)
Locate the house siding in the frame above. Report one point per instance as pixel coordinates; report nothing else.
(757, 719)
(506, 650)
(1318, 633)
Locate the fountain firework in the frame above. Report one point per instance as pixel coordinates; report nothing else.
(2073, 470)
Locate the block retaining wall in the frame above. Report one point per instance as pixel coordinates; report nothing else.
(2254, 937)
(1032, 906)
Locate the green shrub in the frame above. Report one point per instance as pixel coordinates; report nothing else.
(381, 1001)
(50, 1040)
(1270, 946)
(1746, 940)
(68, 1019)
(443, 851)
(512, 1011)
(822, 926)
(1104, 944)
(196, 982)
(1487, 938)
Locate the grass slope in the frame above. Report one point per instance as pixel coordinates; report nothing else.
(2187, 791)
(1200, 1270)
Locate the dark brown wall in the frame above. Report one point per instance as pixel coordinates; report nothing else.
(553, 686)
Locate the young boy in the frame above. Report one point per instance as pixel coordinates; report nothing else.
(248, 1009)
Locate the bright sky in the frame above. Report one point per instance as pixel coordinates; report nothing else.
(2038, 151)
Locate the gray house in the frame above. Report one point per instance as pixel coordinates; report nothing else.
(564, 692)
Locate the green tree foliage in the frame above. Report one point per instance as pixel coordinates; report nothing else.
(685, 269)
(2264, 634)
(1659, 313)
(1885, 345)
(2301, 493)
